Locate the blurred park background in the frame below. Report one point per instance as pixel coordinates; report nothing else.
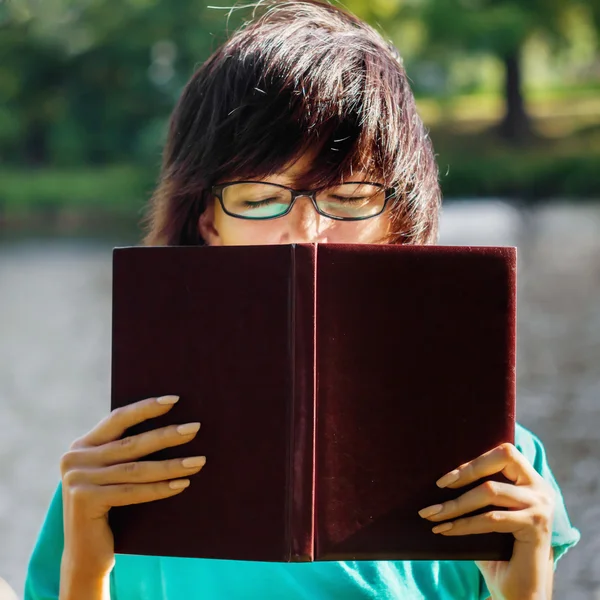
(509, 89)
(510, 92)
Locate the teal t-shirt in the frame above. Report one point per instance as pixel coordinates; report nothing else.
(162, 578)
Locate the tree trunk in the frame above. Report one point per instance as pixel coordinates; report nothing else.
(516, 125)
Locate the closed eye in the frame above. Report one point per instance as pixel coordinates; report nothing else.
(351, 199)
(260, 202)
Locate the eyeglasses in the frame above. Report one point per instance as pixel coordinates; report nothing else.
(255, 200)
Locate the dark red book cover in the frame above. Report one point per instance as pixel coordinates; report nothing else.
(334, 383)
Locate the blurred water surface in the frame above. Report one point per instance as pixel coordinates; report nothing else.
(55, 303)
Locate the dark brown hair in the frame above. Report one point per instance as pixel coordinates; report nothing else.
(299, 76)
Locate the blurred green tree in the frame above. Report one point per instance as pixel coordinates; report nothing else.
(93, 81)
(497, 27)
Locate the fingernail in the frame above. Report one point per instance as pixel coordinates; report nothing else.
(167, 399)
(443, 527)
(448, 479)
(431, 510)
(188, 428)
(179, 484)
(194, 461)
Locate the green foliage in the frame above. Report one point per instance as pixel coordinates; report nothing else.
(84, 81)
(90, 83)
(497, 27)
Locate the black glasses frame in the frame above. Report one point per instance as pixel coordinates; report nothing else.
(217, 191)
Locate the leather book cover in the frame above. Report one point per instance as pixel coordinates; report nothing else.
(334, 385)
(217, 327)
(416, 375)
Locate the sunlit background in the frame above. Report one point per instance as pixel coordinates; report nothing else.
(510, 92)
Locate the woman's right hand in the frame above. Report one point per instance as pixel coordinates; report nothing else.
(101, 470)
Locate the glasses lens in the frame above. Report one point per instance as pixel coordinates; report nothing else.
(352, 200)
(256, 200)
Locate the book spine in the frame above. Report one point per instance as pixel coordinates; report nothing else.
(511, 259)
(301, 467)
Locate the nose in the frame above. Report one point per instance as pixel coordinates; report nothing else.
(305, 224)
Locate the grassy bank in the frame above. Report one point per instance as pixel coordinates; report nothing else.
(93, 197)
(480, 164)
(116, 190)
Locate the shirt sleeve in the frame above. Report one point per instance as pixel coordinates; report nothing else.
(564, 535)
(42, 581)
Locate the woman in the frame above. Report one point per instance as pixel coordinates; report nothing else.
(306, 97)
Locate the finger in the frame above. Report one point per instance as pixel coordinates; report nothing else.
(113, 426)
(134, 447)
(128, 449)
(505, 459)
(126, 494)
(490, 493)
(499, 521)
(141, 471)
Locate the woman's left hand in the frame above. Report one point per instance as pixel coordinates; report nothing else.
(530, 503)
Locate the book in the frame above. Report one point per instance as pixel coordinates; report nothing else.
(334, 383)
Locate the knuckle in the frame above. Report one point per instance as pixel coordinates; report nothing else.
(126, 443)
(117, 413)
(171, 466)
(160, 488)
(68, 460)
(118, 417)
(495, 516)
(468, 471)
(169, 432)
(540, 522)
(546, 504)
(72, 478)
(127, 489)
(104, 421)
(131, 468)
(490, 489)
(507, 450)
(166, 436)
(79, 494)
